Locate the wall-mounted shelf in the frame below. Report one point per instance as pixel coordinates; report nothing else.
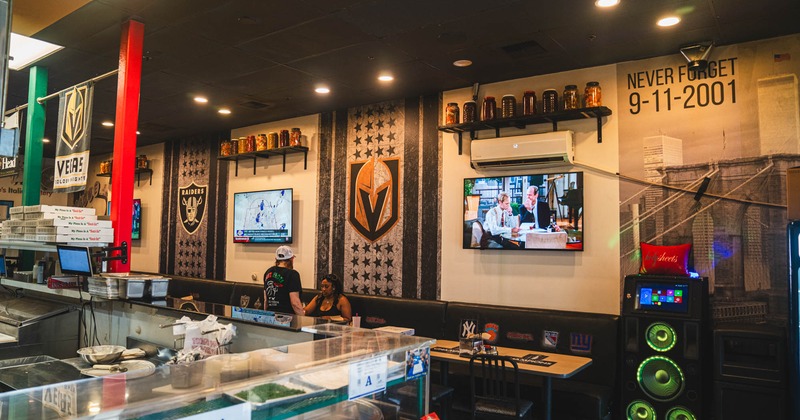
(522, 121)
(283, 151)
(138, 172)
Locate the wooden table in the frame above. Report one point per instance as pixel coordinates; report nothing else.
(563, 365)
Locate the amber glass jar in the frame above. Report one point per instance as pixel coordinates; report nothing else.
(529, 102)
(242, 144)
(250, 145)
(294, 137)
(141, 162)
(451, 114)
(261, 142)
(508, 106)
(284, 139)
(592, 95)
(549, 100)
(272, 140)
(234, 146)
(470, 112)
(489, 109)
(570, 97)
(225, 148)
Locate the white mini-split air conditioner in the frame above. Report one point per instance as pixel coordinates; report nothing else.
(518, 152)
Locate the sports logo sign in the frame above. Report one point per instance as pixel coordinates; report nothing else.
(192, 206)
(494, 332)
(72, 147)
(374, 196)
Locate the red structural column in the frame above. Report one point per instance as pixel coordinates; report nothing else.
(129, 81)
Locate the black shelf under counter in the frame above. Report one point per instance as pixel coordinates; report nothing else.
(138, 172)
(523, 121)
(281, 151)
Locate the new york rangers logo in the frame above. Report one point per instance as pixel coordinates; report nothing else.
(374, 195)
(192, 206)
(494, 332)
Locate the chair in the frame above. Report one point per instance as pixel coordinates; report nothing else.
(440, 397)
(494, 384)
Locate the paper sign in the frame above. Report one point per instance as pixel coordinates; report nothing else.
(367, 377)
(417, 362)
(62, 399)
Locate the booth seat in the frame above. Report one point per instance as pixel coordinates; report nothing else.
(587, 395)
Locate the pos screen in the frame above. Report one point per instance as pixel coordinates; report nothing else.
(662, 297)
(75, 260)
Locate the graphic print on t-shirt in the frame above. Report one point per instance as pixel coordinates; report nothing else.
(275, 282)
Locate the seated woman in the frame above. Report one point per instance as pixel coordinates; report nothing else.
(331, 302)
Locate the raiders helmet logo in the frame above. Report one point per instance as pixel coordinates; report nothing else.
(192, 206)
(374, 195)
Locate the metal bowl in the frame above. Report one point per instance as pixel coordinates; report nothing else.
(101, 354)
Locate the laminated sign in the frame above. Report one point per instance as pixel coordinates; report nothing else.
(72, 148)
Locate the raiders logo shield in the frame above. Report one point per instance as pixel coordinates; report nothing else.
(192, 206)
(374, 192)
(74, 127)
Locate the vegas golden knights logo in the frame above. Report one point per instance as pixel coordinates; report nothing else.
(192, 206)
(374, 192)
(74, 124)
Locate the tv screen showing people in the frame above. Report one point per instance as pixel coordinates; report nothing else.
(263, 216)
(524, 212)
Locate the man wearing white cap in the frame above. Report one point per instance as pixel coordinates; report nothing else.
(282, 284)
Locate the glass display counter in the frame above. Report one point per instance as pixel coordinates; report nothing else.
(352, 373)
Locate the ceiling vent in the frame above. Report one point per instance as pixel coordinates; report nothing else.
(524, 49)
(254, 105)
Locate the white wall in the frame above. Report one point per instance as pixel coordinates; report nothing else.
(246, 260)
(585, 281)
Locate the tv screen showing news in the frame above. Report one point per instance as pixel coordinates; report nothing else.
(524, 212)
(662, 297)
(74, 260)
(262, 216)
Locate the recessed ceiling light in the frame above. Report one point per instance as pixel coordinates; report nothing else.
(462, 63)
(45, 140)
(108, 124)
(669, 21)
(137, 132)
(322, 89)
(201, 99)
(24, 51)
(224, 111)
(386, 78)
(606, 3)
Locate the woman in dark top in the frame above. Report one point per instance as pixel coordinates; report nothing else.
(331, 302)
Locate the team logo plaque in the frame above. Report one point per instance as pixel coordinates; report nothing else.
(374, 196)
(192, 206)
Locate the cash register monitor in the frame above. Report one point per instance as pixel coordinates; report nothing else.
(75, 260)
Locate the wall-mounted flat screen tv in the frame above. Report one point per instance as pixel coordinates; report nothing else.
(263, 216)
(524, 212)
(136, 233)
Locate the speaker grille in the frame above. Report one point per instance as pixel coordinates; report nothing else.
(660, 337)
(680, 413)
(660, 378)
(641, 410)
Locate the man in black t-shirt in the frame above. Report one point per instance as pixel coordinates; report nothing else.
(282, 284)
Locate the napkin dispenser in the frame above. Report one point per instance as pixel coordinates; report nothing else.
(469, 346)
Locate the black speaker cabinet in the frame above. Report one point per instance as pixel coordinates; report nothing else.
(666, 347)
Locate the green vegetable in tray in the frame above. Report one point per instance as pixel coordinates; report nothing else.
(266, 392)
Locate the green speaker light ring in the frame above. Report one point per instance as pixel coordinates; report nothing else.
(640, 410)
(680, 413)
(660, 378)
(661, 337)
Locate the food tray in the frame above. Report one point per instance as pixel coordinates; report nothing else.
(309, 390)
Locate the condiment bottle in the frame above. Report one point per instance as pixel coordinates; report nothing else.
(529, 102)
(470, 112)
(508, 106)
(549, 100)
(294, 137)
(592, 95)
(570, 97)
(489, 109)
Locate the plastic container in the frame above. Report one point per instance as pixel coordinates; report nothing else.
(188, 375)
(570, 97)
(158, 287)
(592, 95)
(131, 288)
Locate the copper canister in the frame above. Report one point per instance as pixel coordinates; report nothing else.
(284, 138)
(272, 139)
(294, 137)
(225, 148)
(261, 142)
